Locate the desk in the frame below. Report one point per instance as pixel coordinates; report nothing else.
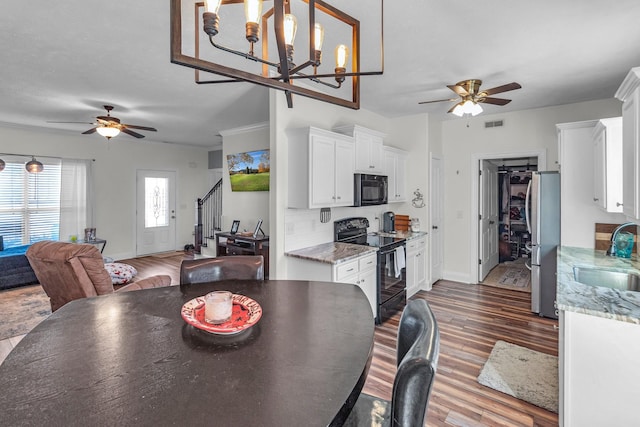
(102, 242)
(237, 244)
(130, 359)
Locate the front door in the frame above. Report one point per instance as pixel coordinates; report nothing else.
(156, 212)
(488, 226)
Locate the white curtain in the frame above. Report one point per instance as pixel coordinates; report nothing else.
(76, 198)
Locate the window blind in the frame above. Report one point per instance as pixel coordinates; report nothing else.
(29, 202)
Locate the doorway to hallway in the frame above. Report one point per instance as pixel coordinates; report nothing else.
(499, 227)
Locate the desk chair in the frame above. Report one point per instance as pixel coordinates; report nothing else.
(417, 357)
(239, 267)
(69, 271)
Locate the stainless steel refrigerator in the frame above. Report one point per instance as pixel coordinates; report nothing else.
(543, 222)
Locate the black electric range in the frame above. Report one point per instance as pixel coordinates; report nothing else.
(391, 271)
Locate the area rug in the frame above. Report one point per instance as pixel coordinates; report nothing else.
(22, 309)
(515, 277)
(510, 275)
(522, 373)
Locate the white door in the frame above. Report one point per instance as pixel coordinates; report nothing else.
(155, 212)
(488, 226)
(435, 198)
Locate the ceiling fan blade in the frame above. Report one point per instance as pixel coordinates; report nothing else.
(500, 89)
(141, 128)
(439, 100)
(83, 123)
(459, 90)
(132, 133)
(494, 101)
(90, 131)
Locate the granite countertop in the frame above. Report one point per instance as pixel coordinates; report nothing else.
(332, 252)
(409, 235)
(596, 300)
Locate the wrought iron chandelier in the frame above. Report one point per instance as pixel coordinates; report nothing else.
(279, 73)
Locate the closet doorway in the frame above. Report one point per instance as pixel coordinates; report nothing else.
(503, 236)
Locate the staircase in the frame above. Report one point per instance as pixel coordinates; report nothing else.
(208, 216)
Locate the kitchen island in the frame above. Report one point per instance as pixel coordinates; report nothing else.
(599, 370)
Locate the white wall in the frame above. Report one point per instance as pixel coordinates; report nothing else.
(245, 206)
(463, 139)
(114, 170)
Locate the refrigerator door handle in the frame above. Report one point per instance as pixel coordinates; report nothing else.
(526, 206)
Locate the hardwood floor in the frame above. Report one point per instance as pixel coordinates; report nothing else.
(471, 319)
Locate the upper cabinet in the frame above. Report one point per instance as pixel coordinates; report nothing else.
(629, 94)
(607, 167)
(369, 148)
(395, 166)
(321, 167)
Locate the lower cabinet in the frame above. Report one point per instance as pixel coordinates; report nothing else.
(598, 371)
(361, 271)
(416, 264)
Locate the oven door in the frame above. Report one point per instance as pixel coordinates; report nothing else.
(391, 271)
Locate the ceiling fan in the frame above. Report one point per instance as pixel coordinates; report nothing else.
(109, 126)
(471, 96)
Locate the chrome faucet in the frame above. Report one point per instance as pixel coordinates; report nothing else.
(612, 248)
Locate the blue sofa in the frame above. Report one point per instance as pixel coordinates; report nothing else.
(15, 269)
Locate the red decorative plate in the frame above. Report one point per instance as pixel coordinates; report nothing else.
(246, 313)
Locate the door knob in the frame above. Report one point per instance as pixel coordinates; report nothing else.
(435, 227)
(491, 222)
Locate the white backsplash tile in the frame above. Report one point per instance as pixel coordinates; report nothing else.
(303, 227)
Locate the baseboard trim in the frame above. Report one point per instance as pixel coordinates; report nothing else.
(455, 276)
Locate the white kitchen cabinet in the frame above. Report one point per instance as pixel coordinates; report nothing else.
(579, 213)
(321, 167)
(395, 167)
(598, 371)
(416, 266)
(607, 168)
(369, 148)
(629, 94)
(360, 271)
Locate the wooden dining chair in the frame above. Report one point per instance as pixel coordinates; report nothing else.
(239, 267)
(417, 351)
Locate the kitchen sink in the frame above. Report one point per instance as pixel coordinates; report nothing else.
(607, 278)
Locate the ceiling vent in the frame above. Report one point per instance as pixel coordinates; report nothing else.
(494, 124)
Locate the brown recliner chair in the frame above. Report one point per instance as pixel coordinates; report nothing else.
(69, 271)
(239, 267)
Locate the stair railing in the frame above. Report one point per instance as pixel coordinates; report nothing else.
(208, 216)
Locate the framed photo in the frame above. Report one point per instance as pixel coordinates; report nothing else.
(258, 230)
(234, 226)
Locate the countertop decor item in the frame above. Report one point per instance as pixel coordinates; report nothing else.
(275, 30)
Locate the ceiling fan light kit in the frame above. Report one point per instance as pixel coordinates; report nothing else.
(281, 72)
(108, 131)
(471, 97)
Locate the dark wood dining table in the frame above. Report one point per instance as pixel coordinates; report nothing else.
(130, 359)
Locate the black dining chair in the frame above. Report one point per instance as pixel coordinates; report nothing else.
(417, 358)
(239, 267)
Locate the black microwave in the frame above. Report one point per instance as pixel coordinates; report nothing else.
(370, 190)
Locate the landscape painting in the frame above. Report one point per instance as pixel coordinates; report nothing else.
(249, 171)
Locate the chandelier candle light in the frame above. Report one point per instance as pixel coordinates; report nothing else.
(277, 73)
